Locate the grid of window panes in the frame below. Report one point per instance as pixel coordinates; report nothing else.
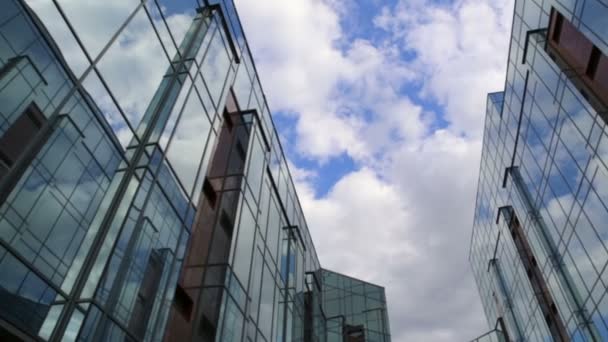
(544, 156)
(94, 228)
(354, 308)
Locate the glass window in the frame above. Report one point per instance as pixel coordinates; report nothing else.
(254, 287)
(26, 298)
(242, 86)
(177, 22)
(19, 136)
(174, 115)
(246, 234)
(594, 16)
(178, 15)
(531, 14)
(56, 26)
(134, 66)
(233, 322)
(209, 34)
(272, 233)
(256, 166)
(188, 142)
(215, 67)
(266, 303)
(96, 22)
(107, 109)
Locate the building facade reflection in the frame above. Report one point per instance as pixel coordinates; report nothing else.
(538, 248)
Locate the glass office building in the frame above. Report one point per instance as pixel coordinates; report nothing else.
(144, 194)
(539, 248)
(354, 308)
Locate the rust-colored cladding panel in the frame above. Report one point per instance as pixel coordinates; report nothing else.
(576, 47)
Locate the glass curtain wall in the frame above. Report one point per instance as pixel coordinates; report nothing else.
(119, 108)
(542, 200)
(354, 310)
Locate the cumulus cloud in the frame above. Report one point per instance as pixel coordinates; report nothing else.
(332, 86)
(461, 51)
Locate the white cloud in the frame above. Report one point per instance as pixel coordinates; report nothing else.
(332, 86)
(461, 52)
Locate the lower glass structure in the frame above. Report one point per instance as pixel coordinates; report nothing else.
(144, 194)
(539, 243)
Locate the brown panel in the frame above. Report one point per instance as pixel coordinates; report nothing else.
(575, 46)
(585, 64)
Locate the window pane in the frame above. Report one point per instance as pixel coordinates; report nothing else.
(178, 15)
(97, 21)
(246, 234)
(107, 109)
(256, 166)
(188, 144)
(25, 298)
(266, 303)
(54, 23)
(134, 67)
(215, 67)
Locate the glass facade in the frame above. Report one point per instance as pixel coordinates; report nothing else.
(144, 193)
(540, 235)
(354, 309)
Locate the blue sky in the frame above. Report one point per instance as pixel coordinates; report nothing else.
(381, 105)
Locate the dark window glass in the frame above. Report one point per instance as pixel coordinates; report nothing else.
(210, 193)
(19, 136)
(354, 333)
(183, 302)
(146, 294)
